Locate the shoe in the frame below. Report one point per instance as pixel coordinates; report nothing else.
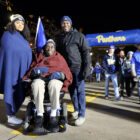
(118, 99)
(106, 97)
(122, 93)
(74, 115)
(53, 125)
(14, 120)
(38, 127)
(79, 121)
(121, 98)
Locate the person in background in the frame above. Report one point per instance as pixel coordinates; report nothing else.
(98, 70)
(111, 66)
(135, 61)
(90, 77)
(128, 74)
(73, 46)
(15, 60)
(121, 72)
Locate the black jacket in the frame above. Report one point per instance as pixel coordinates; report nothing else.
(74, 48)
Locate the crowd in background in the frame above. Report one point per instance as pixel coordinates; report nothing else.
(120, 69)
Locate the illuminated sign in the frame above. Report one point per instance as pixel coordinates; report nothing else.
(102, 39)
(114, 38)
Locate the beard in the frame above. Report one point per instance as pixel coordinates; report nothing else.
(49, 53)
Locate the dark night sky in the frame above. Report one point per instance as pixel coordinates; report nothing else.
(94, 18)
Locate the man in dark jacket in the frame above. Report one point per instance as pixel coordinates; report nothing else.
(122, 58)
(73, 47)
(111, 66)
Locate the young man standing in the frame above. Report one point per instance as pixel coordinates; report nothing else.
(111, 66)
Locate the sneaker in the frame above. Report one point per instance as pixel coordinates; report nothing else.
(53, 125)
(79, 121)
(38, 126)
(118, 99)
(121, 98)
(14, 120)
(74, 115)
(106, 97)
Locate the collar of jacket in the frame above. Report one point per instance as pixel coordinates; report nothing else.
(138, 50)
(110, 54)
(71, 31)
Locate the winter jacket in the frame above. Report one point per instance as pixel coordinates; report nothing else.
(110, 64)
(97, 69)
(127, 68)
(53, 63)
(74, 48)
(136, 61)
(121, 65)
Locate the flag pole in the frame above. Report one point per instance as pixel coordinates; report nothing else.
(37, 30)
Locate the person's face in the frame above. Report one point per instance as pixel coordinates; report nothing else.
(122, 54)
(138, 47)
(130, 56)
(66, 26)
(111, 51)
(19, 25)
(50, 49)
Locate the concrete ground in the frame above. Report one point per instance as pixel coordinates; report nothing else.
(105, 119)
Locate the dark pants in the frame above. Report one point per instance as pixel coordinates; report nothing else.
(122, 80)
(77, 93)
(130, 84)
(9, 110)
(90, 79)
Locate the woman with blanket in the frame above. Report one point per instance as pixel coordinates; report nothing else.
(15, 60)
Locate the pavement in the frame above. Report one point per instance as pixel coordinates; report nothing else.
(105, 119)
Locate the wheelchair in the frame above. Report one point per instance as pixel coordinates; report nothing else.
(31, 111)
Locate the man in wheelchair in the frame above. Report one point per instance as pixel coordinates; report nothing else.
(49, 66)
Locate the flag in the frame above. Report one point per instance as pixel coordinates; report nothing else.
(40, 39)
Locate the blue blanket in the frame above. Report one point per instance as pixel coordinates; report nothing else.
(15, 60)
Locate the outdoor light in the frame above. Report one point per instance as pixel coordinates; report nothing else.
(91, 53)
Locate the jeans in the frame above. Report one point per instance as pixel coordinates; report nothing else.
(98, 77)
(114, 79)
(77, 93)
(139, 88)
(9, 110)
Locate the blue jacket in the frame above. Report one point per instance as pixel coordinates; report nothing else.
(136, 60)
(110, 64)
(97, 69)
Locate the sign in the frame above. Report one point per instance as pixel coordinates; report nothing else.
(114, 38)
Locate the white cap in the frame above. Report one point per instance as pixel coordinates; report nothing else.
(16, 17)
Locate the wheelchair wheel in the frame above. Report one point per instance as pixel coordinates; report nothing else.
(29, 117)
